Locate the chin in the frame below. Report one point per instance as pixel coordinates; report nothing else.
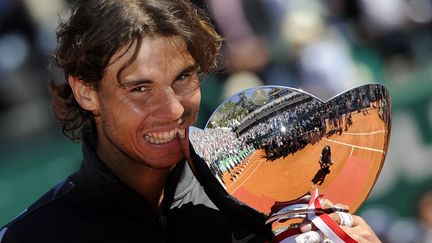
(165, 163)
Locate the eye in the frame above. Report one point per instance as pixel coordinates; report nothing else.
(183, 76)
(139, 89)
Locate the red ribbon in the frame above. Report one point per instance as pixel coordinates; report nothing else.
(321, 220)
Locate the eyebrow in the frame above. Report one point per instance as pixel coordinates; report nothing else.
(188, 69)
(132, 83)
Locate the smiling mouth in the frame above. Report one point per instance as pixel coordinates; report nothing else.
(164, 137)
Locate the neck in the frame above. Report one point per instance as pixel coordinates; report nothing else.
(148, 181)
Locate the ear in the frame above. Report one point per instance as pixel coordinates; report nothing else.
(85, 95)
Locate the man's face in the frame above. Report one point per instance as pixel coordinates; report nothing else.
(143, 114)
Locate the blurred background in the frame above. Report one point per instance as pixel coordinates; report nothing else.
(323, 47)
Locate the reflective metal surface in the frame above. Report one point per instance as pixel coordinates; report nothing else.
(267, 146)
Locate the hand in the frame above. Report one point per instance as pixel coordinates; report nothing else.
(360, 231)
(357, 229)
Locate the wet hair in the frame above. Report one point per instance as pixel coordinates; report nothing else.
(98, 29)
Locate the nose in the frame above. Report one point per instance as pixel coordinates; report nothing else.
(171, 107)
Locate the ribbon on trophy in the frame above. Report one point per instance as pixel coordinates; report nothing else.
(315, 213)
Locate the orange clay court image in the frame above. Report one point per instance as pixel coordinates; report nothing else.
(357, 149)
(269, 148)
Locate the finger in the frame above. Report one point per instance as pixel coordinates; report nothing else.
(357, 220)
(345, 219)
(306, 227)
(341, 206)
(325, 203)
(360, 234)
(309, 237)
(342, 218)
(351, 232)
(360, 231)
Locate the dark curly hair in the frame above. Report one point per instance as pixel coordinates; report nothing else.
(97, 29)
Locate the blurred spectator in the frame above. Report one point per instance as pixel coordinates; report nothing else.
(26, 41)
(425, 216)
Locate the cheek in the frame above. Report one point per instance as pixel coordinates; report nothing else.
(122, 115)
(197, 98)
(191, 107)
(193, 103)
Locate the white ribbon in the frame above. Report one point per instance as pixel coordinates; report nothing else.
(323, 222)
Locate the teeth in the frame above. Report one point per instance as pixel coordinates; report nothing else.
(164, 137)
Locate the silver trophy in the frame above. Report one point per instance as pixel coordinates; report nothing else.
(265, 149)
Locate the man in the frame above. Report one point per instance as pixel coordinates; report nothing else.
(325, 159)
(132, 90)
